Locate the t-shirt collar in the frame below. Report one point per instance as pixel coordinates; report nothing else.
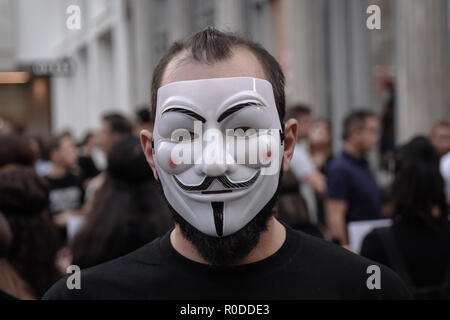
(357, 160)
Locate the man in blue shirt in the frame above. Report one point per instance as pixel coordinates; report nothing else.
(352, 192)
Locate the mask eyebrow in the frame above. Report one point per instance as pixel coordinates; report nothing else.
(186, 112)
(236, 108)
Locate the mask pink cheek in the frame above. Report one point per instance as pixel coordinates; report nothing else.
(268, 151)
(167, 161)
(265, 156)
(172, 164)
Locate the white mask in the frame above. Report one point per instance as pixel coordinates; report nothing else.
(217, 187)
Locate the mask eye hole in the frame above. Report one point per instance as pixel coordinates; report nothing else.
(242, 132)
(184, 135)
(192, 136)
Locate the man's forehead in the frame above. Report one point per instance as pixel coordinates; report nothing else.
(242, 63)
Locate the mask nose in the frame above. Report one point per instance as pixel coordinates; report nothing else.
(215, 161)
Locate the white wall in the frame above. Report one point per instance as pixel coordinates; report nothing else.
(101, 81)
(6, 35)
(40, 28)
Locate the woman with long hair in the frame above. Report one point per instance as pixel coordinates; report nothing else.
(417, 246)
(28, 264)
(128, 210)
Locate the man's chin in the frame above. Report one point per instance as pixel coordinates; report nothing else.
(228, 250)
(232, 249)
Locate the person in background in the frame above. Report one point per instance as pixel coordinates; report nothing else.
(320, 144)
(32, 251)
(417, 246)
(387, 125)
(352, 191)
(66, 190)
(12, 286)
(440, 137)
(143, 119)
(445, 172)
(85, 161)
(42, 164)
(311, 180)
(320, 148)
(114, 127)
(128, 211)
(15, 150)
(291, 207)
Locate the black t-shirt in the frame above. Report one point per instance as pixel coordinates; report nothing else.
(6, 296)
(66, 193)
(425, 252)
(88, 167)
(304, 267)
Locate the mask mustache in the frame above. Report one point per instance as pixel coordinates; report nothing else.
(227, 183)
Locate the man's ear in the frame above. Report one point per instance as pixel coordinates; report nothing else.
(147, 147)
(290, 139)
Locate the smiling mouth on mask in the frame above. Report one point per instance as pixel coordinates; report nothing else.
(225, 181)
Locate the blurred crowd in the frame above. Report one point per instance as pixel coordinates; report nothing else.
(324, 192)
(64, 201)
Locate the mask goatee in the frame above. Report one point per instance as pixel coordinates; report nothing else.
(228, 250)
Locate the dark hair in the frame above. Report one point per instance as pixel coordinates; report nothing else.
(128, 210)
(54, 142)
(356, 120)
(211, 45)
(143, 114)
(296, 111)
(118, 124)
(292, 208)
(22, 191)
(23, 199)
(5, 236)
(42, 144)
(418, 185)
(15, 150)
(88, 135)
(127, 162)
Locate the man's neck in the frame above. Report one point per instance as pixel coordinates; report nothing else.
(353, 150)
(270, 241)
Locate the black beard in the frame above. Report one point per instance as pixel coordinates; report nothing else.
(228, 250)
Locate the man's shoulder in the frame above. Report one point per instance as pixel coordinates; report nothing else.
(341, 270)
(317, 248)
(106, 280)
(339, 163)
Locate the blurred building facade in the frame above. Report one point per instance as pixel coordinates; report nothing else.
(332, 61)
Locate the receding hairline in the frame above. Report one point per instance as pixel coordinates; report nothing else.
(185, 57)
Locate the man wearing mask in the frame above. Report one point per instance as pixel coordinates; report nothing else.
(226, 243)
